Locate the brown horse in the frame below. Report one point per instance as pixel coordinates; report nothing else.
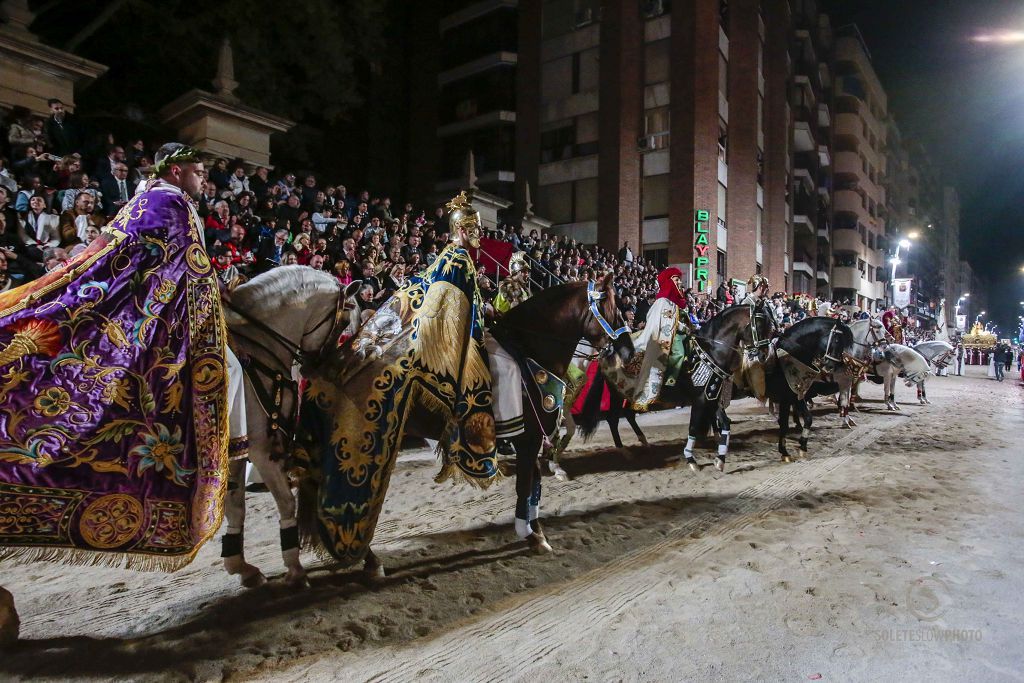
(542, 333)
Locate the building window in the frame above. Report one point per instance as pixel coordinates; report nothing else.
(720, 264)
(575, 73)
(656, 127)
(655, 196)
(557, 144)
(722, 195)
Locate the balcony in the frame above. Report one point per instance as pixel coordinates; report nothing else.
(824, 115)
(803, 140)
(846, 278)
(849, 201)
(803, 266)
(824, 158)
(824, 235)
(849, 163)
(846, 241)
(823, 276)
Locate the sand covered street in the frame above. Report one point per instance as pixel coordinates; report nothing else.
(893, 551)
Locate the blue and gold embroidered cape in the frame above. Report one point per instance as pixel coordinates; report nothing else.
(423, 349)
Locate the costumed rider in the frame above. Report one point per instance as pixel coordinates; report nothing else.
(893, 322)
(663, 350)
(506, 377)
(514, 289)
(178, 170)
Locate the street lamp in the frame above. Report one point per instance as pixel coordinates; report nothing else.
(895, 261)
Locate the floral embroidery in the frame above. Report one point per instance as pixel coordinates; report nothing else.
(52, 402)
(159, 450)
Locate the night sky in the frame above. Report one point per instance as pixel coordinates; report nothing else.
(965, 102)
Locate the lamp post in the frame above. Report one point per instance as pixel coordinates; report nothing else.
(895, 261)
(959, 302)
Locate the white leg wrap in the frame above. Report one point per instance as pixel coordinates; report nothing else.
(523, 528)
(534, 512)
(688, 449)
(723, 447)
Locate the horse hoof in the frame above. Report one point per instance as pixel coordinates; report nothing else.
(297, 580)
(720, 464)
(644, 443)
(801, 453)
(693, 464)
(786, 458)
(538, 544)
(253, 580)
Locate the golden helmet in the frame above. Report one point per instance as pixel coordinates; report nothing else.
(757, 282)
(462, 216)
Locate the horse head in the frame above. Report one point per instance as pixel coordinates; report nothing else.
(605, 324)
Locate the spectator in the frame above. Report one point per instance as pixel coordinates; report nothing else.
(271, 252)
(238, 183)
(62, 130)
(258, 183)
(117, 189)
(105, 167)
(41, 228)
(74, 222)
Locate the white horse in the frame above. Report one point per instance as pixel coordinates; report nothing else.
(938, 354)
(894, 360)
(284, 317)
(868, 334)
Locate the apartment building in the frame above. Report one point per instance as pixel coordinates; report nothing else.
(627, 120)
(859, 200)
(812, 144)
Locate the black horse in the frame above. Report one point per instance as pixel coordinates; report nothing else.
(714, 354)
(808, 352)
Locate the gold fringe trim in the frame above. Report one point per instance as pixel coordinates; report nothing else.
(94, 558)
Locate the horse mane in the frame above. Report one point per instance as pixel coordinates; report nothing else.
(296, 283)
(523, 318)
(710, 328)
(843, 332)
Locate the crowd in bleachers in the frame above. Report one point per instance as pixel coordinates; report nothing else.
(58, 189)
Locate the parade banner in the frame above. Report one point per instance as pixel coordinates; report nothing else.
(493, 256)
(901, 292)
(961, 323)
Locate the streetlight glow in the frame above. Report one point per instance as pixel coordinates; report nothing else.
(913, 235)
(1003, 37)
(906, 245)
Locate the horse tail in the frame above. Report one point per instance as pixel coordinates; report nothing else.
(590, 416)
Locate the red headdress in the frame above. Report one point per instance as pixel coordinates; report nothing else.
(668, 290)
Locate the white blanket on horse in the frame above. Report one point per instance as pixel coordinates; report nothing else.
(640, 382)
(506, 390)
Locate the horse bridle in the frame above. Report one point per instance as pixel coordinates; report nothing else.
(594, 297)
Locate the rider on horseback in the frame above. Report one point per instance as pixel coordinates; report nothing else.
(506, 377)
(514, 289)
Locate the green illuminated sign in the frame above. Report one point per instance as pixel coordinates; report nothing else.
(700, 249)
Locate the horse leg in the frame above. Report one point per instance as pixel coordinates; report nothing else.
(922, 394)
(784, 430)
(612, 418)
(232, 542)
(805, 433)
(539, 542)
(527, 490)
(372, 567)
(697, 428)
(724, 429)
(10, 624)
(631, 419)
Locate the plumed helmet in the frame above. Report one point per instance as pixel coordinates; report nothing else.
(517, 263)
(757, 282)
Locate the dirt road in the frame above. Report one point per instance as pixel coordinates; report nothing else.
(893, 551)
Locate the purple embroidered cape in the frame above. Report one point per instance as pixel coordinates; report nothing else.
(113, 397)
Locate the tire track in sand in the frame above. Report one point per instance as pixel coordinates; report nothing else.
(550, 617)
